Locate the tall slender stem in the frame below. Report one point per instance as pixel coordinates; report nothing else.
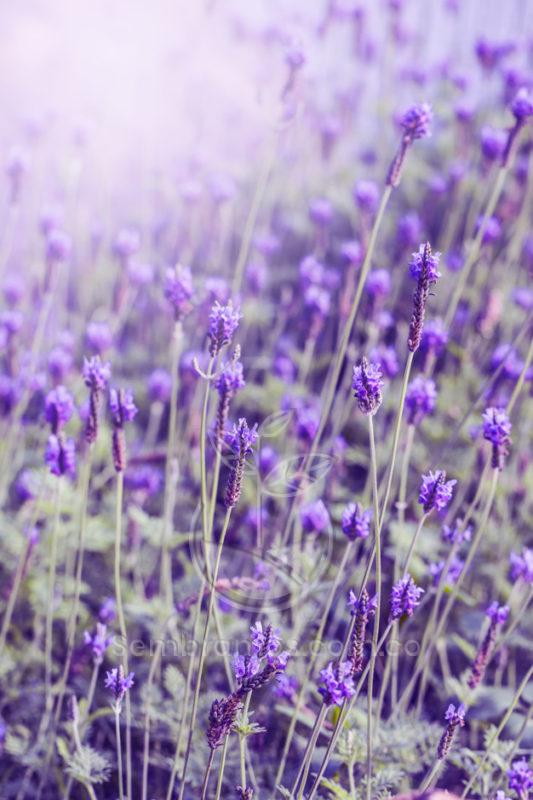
(203, 648)
(221, 768)
(119, 756)
(13, 594)
(375, 632)
(207, 773)
(304, 766)
(52, 571)
(148, 711)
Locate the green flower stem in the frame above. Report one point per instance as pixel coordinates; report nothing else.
(13, 594)
(122, 621)
(156, 660)
(242, 742)
(187, 695)
(432, 774)
(119, 756)
(396, 436)
(375, 631)
(520, 382)
(73, 619)
(475, 245)
(454, 593)
(303, 772)
(207, 773)
(345, 710)
(52, 572)
(170, 468)
(203, 467)
(414, 540)
(203, 648)
(339, 574)
(496, 735)
(221, 768)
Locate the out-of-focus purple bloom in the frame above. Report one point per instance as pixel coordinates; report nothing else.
(405, 597)
(522, 565)
(58, 408)
(118, 683)
(523, 297)
(387, 359)
(99, 336)
(26, 486)
(367, 384)
(435, 491)
(314, 517)
(98, 641)
(454, 261)
(492, 229)
(352, 252)
(284, 368)
(307, 422)
(318, 300)
(268, 458)
(378, 283)
(140, 274)
(520, 778)
(420, 399)
(355, 521)
(13, 290)
(455, 569)
(493, 143)
(60, 455)
(416, 121)
(497, 614)
(286, 687)
(11, 321)
(338, 683)
(159, 386)
(60, 363)
(456, 533)
(58, 246)
(409, 229)
(431, 265)
(366, 195)
(522, 106)
(320, 212)
(96, 374)
(434, 337)
(267, 243)
(107, 613)
(490, 54)
(122, 406)
(144, 478)
(311, 271)
(126, 243)
(497, 430)
(178, 289)
(223, 322)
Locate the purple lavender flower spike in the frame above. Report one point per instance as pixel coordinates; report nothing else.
(424, 268)
(522, 106)
(178, 289)
(245, 666)
(405, 597)
(435, 491)
(497, 430)
(118, 683)
(522, 565)
(223, 322)
(367, 385)
(415, 124)
(520, 778)
(96, 376)
(265, 641)
(355, 522)
(241, 441)
(425, 263)
(60, 455)
(58, 408)
(338, 683)
(434, 337)
(420, 399)
(229, 381)
(123, 410)
(314, 517)
(362, 608)
(455, 717)
(497, 616)
(98, 642)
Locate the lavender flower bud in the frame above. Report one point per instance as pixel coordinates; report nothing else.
(497, 616)
(497, 430)
(221, 718)
(58, 408)
(405, 597)
(241, 440)
(355, 522)
(265, 642)
(424, 268)
(338, 683)
(60, 455)
(96, 376)
(223, 322)
(314, 517)
(367, 384)
(228, 382)
(98, 642)
(363, 608)
(435, 491)
(123, 410)
(522, 565)
(116, 681)
(455, 719)
(178, 289)
(415, 124)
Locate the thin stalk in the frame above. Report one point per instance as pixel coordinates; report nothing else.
(13, 594)
(86, 478)
(203, 467)
(207, 773)
(414, 540)
(187, 695)
(455, 591)
(221, 768)
(475, 245)
(303, 772)
(122, 621)
(170, 467)
(119, 756)
(148, 711)
(396, 437)
(203, 648)
(339, 573)
(242, 742)
(432, 774)
(375, 631)
(496, 735)
(52, 572)
(520, 382)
